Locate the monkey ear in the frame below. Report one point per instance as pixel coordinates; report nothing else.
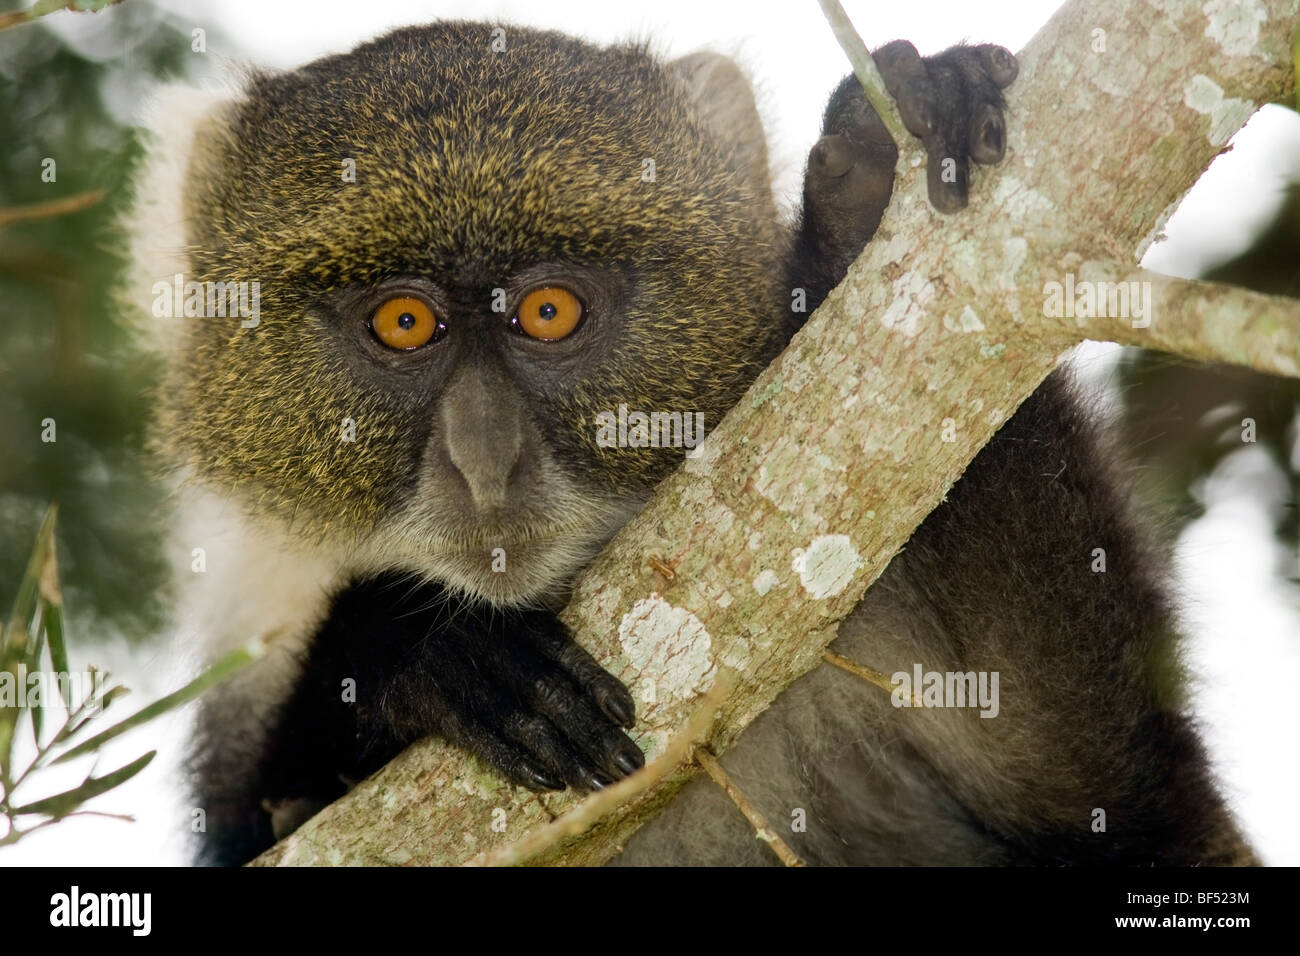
(724, 100)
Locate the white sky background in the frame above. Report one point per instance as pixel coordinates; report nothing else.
(1244, 622)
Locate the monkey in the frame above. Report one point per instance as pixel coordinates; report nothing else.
(465, 253)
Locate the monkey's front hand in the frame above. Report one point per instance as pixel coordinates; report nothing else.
(527, 699)
(952, 102)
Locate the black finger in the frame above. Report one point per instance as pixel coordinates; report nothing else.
(557, 698)
(848, 179)
(609, 693)
(988, 135)
(616, 701)
(601, 742)
(999, 63)
(540, 738)
(487, 740)
(831, 157)
(898, 63)
(533, 777)
(545, 712)
(908, 82)
(948, 178)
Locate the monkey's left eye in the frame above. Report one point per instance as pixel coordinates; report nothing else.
(405, 322)
(548, 313)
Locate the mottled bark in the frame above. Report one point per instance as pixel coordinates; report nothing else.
(797, 501)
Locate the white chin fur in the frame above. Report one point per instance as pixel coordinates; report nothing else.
(261, 581)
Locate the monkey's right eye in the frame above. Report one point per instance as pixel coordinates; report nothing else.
(405, 322)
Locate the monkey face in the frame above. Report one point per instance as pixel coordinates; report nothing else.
(469, 263)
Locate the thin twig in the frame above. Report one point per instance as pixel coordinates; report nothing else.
(586, 814)
(14, 834)
(51, 208)
(868, 674)
(743, 804)
(63, 733)
(864, 67)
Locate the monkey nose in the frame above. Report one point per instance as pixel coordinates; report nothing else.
(483, 437)
(486, 473)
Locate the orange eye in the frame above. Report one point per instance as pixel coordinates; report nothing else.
(405, 322)
(549, 313)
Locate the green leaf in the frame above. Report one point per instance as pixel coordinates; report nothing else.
(49, 628)
(23, 612)
(51, 593)
(52, 617)
(230, 664)
(61, 804)
(34, 664)
(13, 647)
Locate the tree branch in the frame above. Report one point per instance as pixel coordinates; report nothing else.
(864, 67)
(1209, 322)
(800, 497)
(51, 208)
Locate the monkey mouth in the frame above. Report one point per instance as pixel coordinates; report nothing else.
(468, 542)
(501, 562)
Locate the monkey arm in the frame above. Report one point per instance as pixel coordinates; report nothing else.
(397, 661)
(952, 102)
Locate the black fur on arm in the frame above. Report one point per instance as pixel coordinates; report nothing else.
(952, 101)
(1092, 715)
(397, 660)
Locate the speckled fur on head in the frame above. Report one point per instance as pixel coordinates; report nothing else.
(473, 168)
(470, 166)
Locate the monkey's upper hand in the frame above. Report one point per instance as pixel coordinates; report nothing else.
(953, 103)
(537, 707)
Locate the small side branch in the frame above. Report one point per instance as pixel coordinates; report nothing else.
(761, 827)
(1205, 321)
(54, 207)
(864, 67)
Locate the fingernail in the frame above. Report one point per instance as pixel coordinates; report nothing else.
(628, 763)
(543, 779)
(620, 709)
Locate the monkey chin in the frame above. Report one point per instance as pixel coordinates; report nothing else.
(533, 574)
(505, 563)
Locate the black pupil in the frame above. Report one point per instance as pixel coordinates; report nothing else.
(547, 311)
(406, 321)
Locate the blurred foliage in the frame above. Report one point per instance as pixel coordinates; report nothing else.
(39, 692)
(1187, 417)
(42, 8)
(68, 91)
(69, 87)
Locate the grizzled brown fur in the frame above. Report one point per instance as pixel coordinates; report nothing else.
(371, 560)
(470, 165)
